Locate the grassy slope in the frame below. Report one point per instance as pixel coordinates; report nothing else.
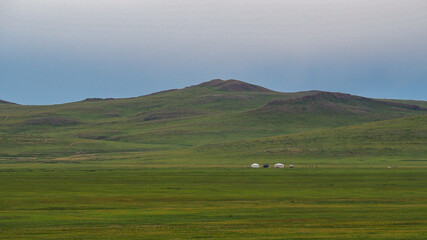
(123, 121)
(202, 114)
(398, 141)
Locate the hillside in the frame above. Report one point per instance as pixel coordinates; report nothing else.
(389, 139)
(327, 109)
(213, 112)
(337, 103)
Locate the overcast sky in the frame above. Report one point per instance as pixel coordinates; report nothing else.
(54, 51)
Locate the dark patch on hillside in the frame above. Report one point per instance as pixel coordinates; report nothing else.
(98, 135)
(167, 114)
(97, 99)
(53, 121)
(92, 136)
(112, 114)
(332, 102)
(232, 85)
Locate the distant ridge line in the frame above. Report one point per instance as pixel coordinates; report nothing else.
(321, 95)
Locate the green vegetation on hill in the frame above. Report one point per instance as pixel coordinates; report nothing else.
(398, 142)
(213, 112)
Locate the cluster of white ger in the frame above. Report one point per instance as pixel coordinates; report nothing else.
(277, 165)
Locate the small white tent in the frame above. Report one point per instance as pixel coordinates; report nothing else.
(255, 165)
(279, 165)
(291, 166)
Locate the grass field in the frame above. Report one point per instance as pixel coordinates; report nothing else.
(174, 165)
(214, 203)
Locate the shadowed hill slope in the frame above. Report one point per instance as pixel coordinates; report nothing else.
(317, 110)
(333, 103)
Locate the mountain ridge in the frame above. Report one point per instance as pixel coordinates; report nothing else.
(336, 97)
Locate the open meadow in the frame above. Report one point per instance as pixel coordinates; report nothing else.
(213, 203)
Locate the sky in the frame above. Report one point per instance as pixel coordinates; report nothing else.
(54, 51)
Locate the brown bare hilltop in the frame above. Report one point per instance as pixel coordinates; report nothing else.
(233, 85)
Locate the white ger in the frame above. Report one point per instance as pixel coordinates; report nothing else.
(279, 165)
(255, 165)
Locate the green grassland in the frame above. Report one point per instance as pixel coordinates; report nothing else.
(213, 203)
(174, 165)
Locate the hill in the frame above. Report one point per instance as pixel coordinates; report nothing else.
(338, 103)
(213, 112)
(328, 109)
